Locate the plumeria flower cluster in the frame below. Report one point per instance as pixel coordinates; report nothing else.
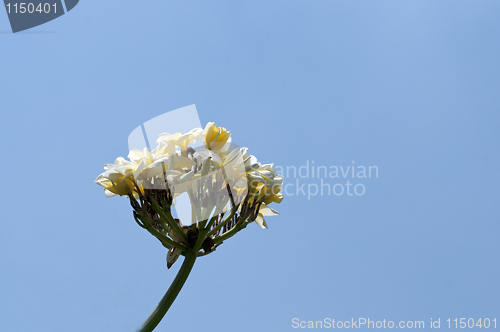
(227, 187)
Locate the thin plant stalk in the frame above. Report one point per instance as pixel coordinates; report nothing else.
(157, 315)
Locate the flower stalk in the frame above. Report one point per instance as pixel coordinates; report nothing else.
(161, 309)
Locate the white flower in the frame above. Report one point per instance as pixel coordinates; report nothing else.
(182, 141)
(265, 184)
(205, 174)
(264, 211)
(217, 139)
(117, 179)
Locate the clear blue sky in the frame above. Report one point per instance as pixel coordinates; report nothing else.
(411, 87)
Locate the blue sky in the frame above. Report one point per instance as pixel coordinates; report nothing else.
(408, 86)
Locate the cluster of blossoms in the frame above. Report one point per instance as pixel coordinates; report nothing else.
(227, 187)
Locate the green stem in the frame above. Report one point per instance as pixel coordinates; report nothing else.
(161, 309)
(160, 236)
(236, 228)
(225, 221)
(212, 221)
(169, 219)
(228, 188)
